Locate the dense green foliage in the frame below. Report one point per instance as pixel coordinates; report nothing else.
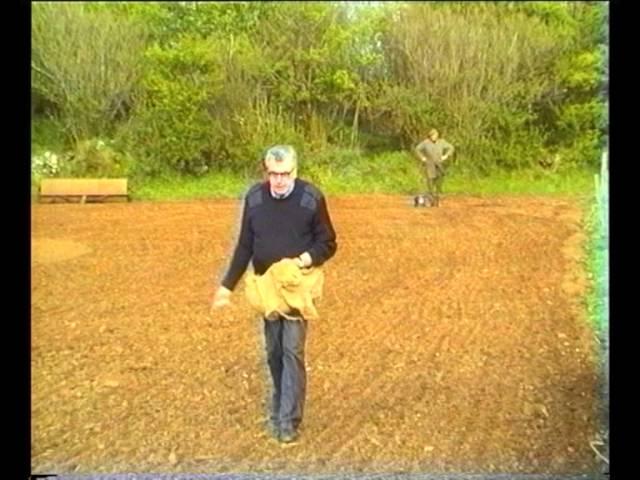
(195, 88)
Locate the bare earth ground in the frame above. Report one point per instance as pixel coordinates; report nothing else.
(451, 340)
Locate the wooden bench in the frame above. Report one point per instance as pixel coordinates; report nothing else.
(83, 188)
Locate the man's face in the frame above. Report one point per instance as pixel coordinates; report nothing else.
(433, 136)
(281, 174)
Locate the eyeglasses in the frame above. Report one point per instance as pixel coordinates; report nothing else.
(283, 175)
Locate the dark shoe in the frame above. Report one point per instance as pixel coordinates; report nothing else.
(288, 435)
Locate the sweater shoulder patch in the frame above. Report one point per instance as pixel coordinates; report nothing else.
(254, 196)
(308, 201)
(310, 197)
(313, 191)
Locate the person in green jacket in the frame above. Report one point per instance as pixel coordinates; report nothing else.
(433, 152)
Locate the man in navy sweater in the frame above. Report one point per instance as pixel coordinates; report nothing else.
(283, 217)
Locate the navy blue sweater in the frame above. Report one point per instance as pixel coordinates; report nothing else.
(273, 229)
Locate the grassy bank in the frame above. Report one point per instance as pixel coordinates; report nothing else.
(341, 172)
(225, 185)
(345, 172)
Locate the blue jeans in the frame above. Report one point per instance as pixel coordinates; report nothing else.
(285, 341)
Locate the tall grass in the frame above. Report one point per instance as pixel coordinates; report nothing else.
(597, 301)
(598, 253)
(344, 172)
(46, 134)
(527, 182)
(173, 187)
(400, 173)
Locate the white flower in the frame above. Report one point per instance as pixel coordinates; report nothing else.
(47, 163)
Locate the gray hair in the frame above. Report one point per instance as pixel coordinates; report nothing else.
(278, 153)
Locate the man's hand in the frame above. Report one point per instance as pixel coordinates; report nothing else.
(304, 260)
(221, 298)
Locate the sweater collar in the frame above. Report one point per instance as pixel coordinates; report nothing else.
(282, 196)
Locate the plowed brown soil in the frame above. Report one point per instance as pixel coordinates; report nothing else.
(452, 339)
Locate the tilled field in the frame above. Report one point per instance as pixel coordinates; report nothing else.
(451, 339)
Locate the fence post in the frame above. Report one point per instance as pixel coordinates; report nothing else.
(602, 193)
